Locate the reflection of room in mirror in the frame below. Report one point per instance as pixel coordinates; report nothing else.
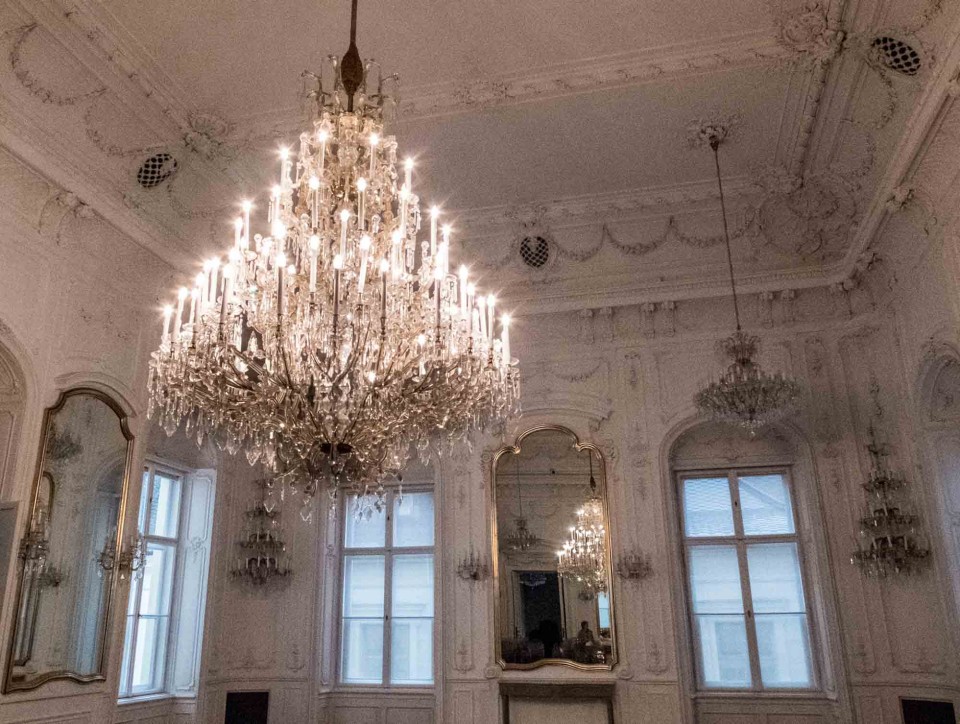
(542, 614)
(65, 597)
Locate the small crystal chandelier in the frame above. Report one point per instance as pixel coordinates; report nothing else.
(584, 555)
(745, 394)
(890, 542)
(327, 347)
(521, 539)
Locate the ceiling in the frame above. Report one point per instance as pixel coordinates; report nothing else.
(575, 122)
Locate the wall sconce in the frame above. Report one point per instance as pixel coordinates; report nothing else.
(633, 565)
(132, 558)
(472, 567)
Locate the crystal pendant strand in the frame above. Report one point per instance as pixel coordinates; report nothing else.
(328, 346)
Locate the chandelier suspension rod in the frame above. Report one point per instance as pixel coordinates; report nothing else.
(351, 66)
(715, 145)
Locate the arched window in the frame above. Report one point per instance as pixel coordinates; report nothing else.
(745, 581)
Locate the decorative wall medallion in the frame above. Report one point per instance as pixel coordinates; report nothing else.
(806, 30)
(206, 136)
(701, 130)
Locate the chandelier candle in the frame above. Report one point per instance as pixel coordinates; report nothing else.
(293, 356)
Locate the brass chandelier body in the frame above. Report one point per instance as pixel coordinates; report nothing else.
(328, 346)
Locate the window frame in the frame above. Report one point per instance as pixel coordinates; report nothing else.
(125, 689)
(388, 553)
(740, 541)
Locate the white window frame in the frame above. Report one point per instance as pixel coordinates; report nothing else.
(126, 692)
(741, 541)
(388, 552)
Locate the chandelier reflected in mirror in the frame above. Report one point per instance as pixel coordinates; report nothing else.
(583, 557)
(521, 538)
(745, 394)
(329, 345)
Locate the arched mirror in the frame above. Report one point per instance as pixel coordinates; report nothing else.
(68, 555)
(552, 573)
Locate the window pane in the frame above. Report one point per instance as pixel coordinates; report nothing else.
(149, 654)
(765, 503)
(157, 580)
(411, 651)
(707, 510)
(724, 658)
(144, 500)
(412, 586)
(363, 586)
(164, 506)
(775, 582)
(362, 648)
(784, 646)
(603, 611)
(367, 532)
(715, 580)
(127, 654)
(413, 520)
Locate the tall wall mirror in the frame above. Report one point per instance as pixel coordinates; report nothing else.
(67, 576)
(552, 574)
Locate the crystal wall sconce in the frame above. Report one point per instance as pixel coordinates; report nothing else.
(633, 565)
(263, 553)
(132, 557)
(472, 567)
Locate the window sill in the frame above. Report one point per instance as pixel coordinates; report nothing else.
(145, 698)
(805, 694)
(411, 689)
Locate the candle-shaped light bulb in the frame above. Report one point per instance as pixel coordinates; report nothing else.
(281, 260)
(167, 318)
(463, 290)
(408, 171)
(491, 303)
(344, 218)
(365, 243)
(505, 339)
(374, 140)
(361, 184)
(246, 206)
(182, 293)
(482, 305)
(361, 202)
(237, 232)
(284, 153)
(323, 135)
(313, 182)
(214, 266)
(338, 262)
(314, 251)
(278, 230)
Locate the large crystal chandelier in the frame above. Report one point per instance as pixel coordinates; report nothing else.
(327, 346)
(889, 532)
(745, 394)
(583, 557)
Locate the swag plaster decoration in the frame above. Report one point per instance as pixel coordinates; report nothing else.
(32, 83)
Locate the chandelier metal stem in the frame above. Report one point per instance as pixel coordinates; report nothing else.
(715, 145)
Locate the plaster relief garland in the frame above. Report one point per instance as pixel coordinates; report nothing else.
(31, 83)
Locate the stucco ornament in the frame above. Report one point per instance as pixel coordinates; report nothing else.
(811, 221)
(206, 136)
(806, 30)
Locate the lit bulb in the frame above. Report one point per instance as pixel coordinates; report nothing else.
(199, 279)
(246, 205)
(421, 339)
(396, 236)
(472, 289)
(384, 266)
(361, 185)
(281, 259)
(167, 310)
(284, 152)
(322, 135)
(182, 293)
(238, 223)
(314, 183)
(408, 164)
(338, 261)
(278, 230)
(372, 376)
(374, 139)
(291, 270)
(463, 272)
(505, 320)
(344, 215)
(276, 192)
(234, 256)
(314, 243)
(365, 242)
(434, 211)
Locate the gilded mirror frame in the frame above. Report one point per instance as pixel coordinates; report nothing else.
(495, 553)
(9, 685)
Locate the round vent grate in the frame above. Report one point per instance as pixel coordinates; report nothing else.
(897, 55)
(156, 169)
(535, 251)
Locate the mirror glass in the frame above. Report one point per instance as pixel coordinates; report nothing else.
(549, 494)
(65, 593)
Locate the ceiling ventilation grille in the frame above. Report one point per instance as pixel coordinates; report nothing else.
(535, 251)
(156, 169)
(897, 55)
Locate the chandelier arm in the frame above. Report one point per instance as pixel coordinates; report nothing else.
(715, 145)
